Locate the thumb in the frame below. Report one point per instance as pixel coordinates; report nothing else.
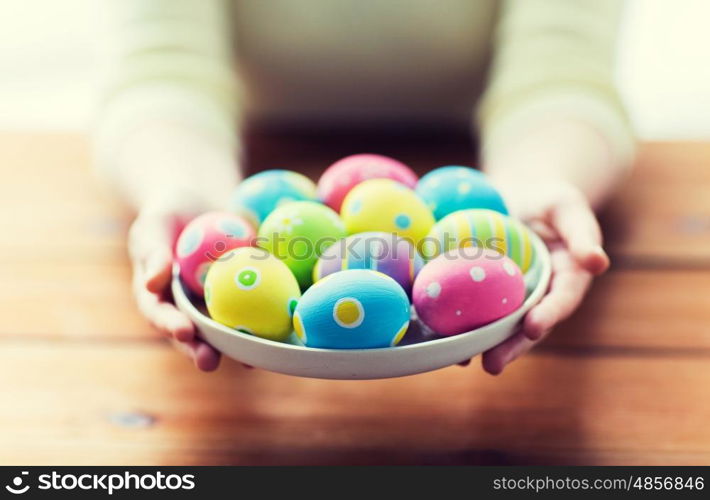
(158, 269)
(577, 225)
(150, 244)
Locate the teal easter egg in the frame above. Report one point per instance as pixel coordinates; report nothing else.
(353, 309)
(448, 189)
(259, 195)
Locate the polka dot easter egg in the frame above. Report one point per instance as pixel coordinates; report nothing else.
(383, 252)
(252, 291)
(386, 205)
(353, 309)
(343, 175)
(483, 228)
(449, 189)
(204, 240)
(257, 196)
(467, 288)
(298, 233)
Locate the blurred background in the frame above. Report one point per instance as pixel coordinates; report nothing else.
(49, 65)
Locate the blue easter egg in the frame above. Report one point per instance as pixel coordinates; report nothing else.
(449, 189)
(352, 309)
(257, 196)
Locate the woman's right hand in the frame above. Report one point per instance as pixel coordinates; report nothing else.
(169, 172)
(150, 244)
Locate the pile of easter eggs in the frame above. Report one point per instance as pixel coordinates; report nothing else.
(343, 264)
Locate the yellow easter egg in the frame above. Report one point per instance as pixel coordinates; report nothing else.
(482, 228)
(386, 205)
(250, 290)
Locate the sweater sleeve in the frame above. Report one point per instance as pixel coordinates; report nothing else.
(167, 59)
(555, 58)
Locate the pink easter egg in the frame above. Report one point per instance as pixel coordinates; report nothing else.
(204, 240)
(467, 288)
(346, 173)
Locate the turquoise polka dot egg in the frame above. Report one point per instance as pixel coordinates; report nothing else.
(352, 309)
(259, 195)
(446, 190)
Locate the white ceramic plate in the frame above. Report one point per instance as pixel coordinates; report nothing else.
(419, 352)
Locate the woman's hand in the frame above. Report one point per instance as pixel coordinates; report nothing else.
(561, 215)
(170, 172)
(150, 244)
(552, 172)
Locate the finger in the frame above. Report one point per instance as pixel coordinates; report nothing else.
(163, 315)
(151, 254)
(158, 270)
(577, 225)
(543, 230)
(494, 360)
(151, 251)
(567, 289)
(169, 319)
(205, 357)
(148, 233)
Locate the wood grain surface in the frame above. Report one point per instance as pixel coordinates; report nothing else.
(85, 380)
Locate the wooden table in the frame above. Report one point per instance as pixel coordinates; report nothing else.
(85, 380)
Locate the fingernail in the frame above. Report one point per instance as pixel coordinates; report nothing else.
(492, 368)
(182, 329)
(600, 251)
(497, 371)
(205, 358)
(183, 334)
(603, 266)
(535, 326)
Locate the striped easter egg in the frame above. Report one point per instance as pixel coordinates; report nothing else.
(483, 228)
(378, 251)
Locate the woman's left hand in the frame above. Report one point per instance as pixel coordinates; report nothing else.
(561, 215)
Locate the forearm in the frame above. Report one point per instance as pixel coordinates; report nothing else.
(551, 112)
(169, 163)
(560, 150)
(166, 128)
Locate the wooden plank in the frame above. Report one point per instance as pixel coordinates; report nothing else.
(626, 309)
(52, 198)
(141, 403)
(53, 203)
(51, 298)
(642, 309)
(661, 216)
(602, 390)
